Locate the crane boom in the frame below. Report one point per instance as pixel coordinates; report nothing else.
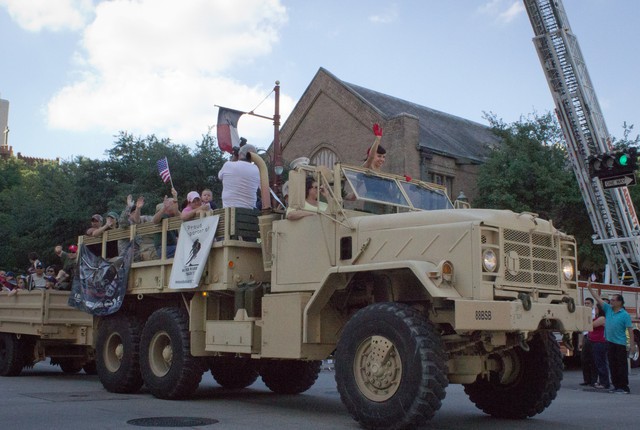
(611, 211)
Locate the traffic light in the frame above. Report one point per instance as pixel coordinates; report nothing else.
(609, 165)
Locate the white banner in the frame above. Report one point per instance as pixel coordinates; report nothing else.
(192, 251)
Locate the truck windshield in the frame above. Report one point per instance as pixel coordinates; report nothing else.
(389, 190)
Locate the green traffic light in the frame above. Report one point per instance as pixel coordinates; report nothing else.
(623, 160)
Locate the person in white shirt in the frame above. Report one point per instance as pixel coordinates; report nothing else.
(37, 279)
(240, 180)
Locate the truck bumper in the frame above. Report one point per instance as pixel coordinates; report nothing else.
(492, 315)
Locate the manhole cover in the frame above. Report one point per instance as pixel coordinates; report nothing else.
(172, 422)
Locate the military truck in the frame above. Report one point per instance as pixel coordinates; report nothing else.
(408, 291)
(38, 324)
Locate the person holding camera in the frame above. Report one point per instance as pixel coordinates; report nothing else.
(240, 180)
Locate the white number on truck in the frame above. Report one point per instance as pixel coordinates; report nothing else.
(483, 315)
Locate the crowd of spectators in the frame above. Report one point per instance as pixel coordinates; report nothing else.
(56, 276)
(240, 186)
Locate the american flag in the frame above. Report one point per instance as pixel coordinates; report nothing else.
(163, 169)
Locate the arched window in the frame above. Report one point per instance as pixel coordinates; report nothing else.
(324, 157)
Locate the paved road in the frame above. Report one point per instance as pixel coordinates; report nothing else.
(45, 398)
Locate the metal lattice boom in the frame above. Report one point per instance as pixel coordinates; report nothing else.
(611, 212)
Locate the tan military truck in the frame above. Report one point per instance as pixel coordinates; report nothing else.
(407, 292)
(38, 324)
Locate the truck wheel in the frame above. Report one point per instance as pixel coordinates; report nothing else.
(168, 369)
(526, 384)
(289, 376)
(117, 354)
(390, 367)
(11, 355)
(635, 359)
(70, 366)
(233, 373)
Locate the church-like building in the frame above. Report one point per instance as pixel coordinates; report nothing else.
(333, 121)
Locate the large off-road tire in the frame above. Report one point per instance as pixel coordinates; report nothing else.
(233, 373)
(70, 366)
(118, 354)
(635, 359)
(526, 384)
(390, 367)
(289, 376)
(11, 355)
(168, 369)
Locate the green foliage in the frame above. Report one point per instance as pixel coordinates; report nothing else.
(47, 204)
(529, 172)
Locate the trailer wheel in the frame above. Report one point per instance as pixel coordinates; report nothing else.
(70, 366)
(117, 354)
(289, 376)
(90, 367)
(526, 384)
(233, 373)
(635, 359)
(390, 367)
(28, 344)
(168, 369)
(11, 355)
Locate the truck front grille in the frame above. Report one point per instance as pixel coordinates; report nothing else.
(537, 255)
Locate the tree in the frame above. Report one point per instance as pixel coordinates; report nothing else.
(131, 168)
(47, 204)
(529, 172)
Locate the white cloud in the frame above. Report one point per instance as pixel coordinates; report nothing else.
(503, 11)
(159, 66)
(511, 13)
(387, 16)
(54, 15)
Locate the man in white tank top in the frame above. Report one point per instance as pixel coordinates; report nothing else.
(240, 180)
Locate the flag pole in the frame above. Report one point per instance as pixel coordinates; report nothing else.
(170, 178)
(277, 150)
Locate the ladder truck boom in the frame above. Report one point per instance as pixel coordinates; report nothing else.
(611, 211)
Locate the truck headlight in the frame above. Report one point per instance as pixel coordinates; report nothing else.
(567, 269)
(489, 260)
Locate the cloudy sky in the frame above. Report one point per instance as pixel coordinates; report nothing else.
(76, 72)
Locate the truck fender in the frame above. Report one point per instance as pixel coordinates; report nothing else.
(335, 279)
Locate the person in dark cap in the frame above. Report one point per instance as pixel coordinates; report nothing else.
(96, 223)
(50, 282)
(8, 281)
(37, 279)
(33, 260)
(97, 228)
(240, 180)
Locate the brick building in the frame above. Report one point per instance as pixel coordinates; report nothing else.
(332, 121)
(6, 151)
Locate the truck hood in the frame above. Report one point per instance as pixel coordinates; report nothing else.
(499, 218)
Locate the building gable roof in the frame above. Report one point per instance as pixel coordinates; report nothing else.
(440, 132)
